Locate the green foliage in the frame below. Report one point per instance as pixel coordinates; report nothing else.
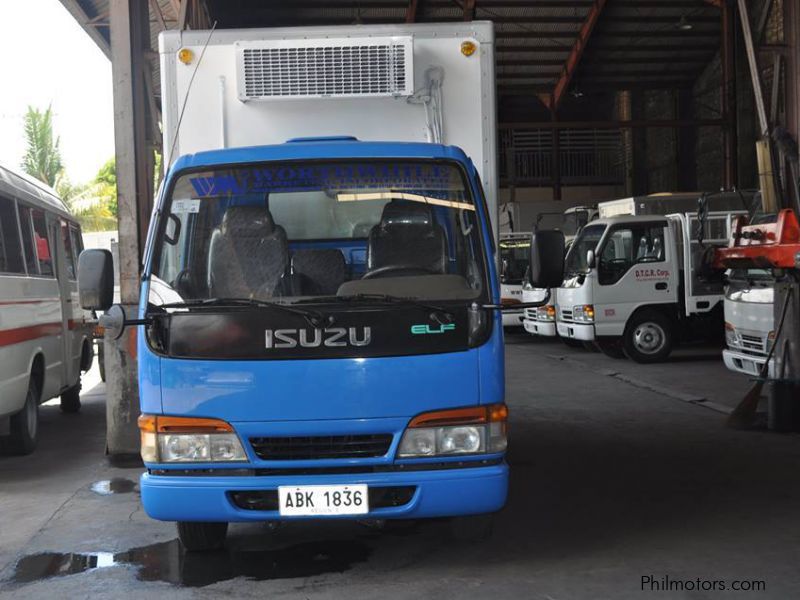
(42, 158)
(97, 217)
(105, 184)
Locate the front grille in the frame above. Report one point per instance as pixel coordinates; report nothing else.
(379, 497)
(752, 343)
(318, 447)
(530, 314)
(566, 315)
(354, 67)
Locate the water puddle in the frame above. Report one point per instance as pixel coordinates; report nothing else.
(117, 485)
(168, 562)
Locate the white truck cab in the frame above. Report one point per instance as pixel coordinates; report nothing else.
(749, 321)
(514, 252)
(542, 320)
(630, 284)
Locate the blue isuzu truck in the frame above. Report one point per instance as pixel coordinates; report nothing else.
(319, 326)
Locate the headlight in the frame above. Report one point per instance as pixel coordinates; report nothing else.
(583, 312)
(478, 430)
(546, 313)
(183, 439)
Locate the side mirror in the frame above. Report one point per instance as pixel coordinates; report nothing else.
(591, 259)
(96, 279)
(547, 259)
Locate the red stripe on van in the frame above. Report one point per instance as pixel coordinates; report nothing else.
(41, 301)
(24, 334)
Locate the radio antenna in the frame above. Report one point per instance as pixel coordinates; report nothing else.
(189, 89)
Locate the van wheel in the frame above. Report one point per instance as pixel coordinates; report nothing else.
(648, 337)
(612, 347)
(24, 425)
(71, 399)
(476, 528)
(101, 360)
(87, 356)
(199, 537)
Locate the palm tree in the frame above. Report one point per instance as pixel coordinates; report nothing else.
(42, 158)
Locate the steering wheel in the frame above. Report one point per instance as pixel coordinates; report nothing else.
(398, 268)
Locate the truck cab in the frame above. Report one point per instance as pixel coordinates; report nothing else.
(749, 321)
(514, 252)
(631, 285)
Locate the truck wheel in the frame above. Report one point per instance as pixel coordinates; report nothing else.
(612, 348)
(24, 425)
(87, 355)
(476, 528)
(199, 537)
(71, 399)
(570, 343)
(101, 360)
(648, 337)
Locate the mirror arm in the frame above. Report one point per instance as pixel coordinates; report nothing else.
(521, 305)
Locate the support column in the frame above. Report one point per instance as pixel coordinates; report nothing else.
(730, 161)
(686, 138)
(129, 21)
(555, 170)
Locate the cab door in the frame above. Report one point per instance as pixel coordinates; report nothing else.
(66, 272)
(636, 266)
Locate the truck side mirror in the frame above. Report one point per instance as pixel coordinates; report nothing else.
(591, 259)
(96, 279)
(547, 259)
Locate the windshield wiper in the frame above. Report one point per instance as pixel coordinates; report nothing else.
(312, 317)
(438, 314)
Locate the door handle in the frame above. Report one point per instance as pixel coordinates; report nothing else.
(661, 285)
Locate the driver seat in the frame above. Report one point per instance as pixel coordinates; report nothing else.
(407, 235)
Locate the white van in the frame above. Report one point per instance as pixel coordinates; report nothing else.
(45, 337)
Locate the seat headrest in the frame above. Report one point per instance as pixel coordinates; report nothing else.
(247, 221)
(406, 212)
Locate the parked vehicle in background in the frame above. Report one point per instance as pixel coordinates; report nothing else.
(514, 260)
(631, 284)
(45, 337)
(749, 321)
(542, 320)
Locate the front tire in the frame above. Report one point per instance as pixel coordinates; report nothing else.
(612, 348)
(202, 537)
(472, 529)
(24, 425)
(101, 360)
(648, 337)
(71, 399)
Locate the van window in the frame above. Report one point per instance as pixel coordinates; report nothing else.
(77, 241)
(10, 247)
(27, 240)
(42, 242)
(69, 255)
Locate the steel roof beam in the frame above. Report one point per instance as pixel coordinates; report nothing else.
(553, 101)
(411, 11)
(76, 10)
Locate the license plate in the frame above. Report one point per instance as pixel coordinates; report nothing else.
(312, 500)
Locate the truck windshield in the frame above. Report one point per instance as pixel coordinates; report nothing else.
(575, 262)
(290, 232)
(514, 260)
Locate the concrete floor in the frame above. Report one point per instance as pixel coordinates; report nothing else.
(619, 472)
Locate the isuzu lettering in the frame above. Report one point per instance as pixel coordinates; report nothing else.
(320, 318)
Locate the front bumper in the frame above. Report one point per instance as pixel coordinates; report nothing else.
(576, 331)
(545, 328)
(746, 363)
(439, 493)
